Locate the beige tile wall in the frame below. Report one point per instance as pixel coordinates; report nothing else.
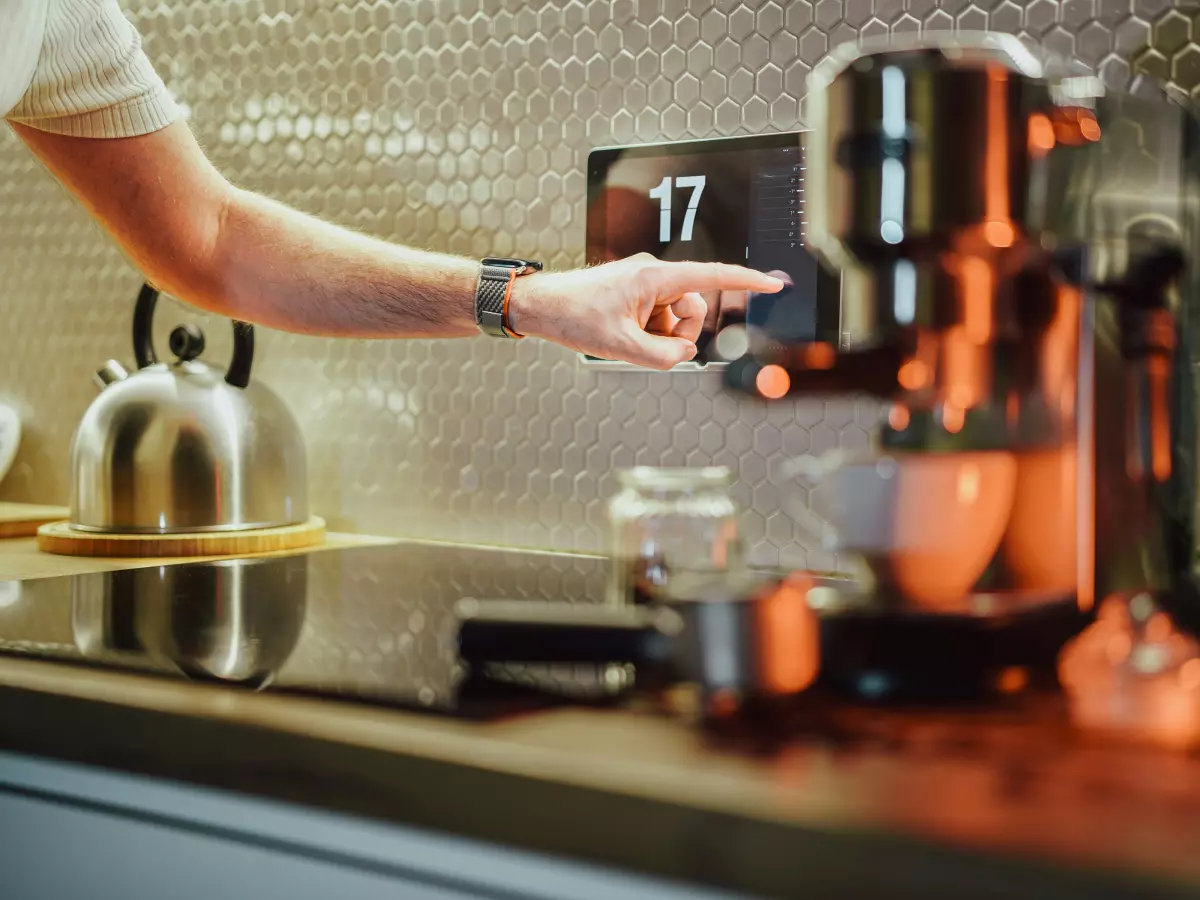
(463, 125)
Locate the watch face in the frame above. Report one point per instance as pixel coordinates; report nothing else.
(529, 264)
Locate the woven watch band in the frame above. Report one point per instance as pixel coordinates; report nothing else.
(491, 300)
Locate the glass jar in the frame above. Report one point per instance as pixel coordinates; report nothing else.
(667, 522)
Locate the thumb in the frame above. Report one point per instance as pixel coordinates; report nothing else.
(658, 351)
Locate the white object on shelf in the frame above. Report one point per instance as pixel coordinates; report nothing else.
(10, 593)
(10, 438)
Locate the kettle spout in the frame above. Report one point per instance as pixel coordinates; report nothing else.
(111, 372)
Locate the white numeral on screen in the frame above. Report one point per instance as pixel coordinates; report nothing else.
(696, 183)
(662, 194)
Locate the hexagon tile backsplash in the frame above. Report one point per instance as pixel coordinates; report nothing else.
(463, 125)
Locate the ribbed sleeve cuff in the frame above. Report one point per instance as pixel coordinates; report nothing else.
(136, 116)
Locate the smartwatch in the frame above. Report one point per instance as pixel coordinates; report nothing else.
(492, 293)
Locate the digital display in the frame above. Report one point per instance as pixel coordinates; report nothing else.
(733, 200)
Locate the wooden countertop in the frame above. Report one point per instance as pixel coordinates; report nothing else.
(843, 803)
(857, 805)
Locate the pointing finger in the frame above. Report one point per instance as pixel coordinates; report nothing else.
(691, 277)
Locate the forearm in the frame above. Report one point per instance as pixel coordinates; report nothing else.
(284, 269)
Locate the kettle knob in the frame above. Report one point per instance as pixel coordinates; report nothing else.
(187, 342)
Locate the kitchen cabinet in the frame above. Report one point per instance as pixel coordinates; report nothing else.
(71, 831)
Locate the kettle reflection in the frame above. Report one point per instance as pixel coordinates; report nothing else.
(231, 621)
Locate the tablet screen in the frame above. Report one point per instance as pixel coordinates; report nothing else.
(735, 200)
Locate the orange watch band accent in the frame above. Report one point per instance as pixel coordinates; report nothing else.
(512, 278)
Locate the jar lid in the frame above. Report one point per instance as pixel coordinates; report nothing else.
(652, 478)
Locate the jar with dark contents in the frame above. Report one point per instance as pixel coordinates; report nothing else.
(668, 522)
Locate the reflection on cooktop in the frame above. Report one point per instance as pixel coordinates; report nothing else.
(371, 623)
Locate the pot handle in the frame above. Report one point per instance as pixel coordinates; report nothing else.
(517, 631)
(238, 373)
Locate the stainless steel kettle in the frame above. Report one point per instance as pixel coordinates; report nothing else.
(181, 447)
(233, 620)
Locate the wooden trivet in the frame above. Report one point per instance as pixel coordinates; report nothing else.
(62, 539)
(24, 519)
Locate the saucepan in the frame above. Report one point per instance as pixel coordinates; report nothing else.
(742, 639)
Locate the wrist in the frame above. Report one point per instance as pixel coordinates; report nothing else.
(527, 305)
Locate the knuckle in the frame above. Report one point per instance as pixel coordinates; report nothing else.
(645, 280)
(659, 268)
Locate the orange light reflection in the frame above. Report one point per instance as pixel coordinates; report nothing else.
(773, 382)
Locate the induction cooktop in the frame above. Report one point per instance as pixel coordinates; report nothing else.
(369, 624)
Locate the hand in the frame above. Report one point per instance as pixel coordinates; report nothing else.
(638, 310)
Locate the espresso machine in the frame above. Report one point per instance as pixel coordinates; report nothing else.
(1018, 291)
(1014, 244)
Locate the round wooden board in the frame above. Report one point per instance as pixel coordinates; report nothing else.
(62, 539)
(24, 519)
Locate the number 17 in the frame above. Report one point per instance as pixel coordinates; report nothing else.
(662, 194)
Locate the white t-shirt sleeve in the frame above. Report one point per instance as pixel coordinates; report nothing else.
(93, 79)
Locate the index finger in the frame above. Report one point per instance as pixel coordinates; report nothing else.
(693, 277)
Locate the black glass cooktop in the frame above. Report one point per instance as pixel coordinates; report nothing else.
(372, 624)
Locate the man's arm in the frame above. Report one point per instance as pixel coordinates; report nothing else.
(233, 252)
(238, 254)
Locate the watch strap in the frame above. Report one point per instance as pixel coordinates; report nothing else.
(494, 291)
(491, 300)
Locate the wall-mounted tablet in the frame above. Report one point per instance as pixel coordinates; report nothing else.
(735, 200)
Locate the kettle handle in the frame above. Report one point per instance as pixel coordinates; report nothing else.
(238, 373)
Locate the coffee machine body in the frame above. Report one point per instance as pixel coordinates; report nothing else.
(1012, 239)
